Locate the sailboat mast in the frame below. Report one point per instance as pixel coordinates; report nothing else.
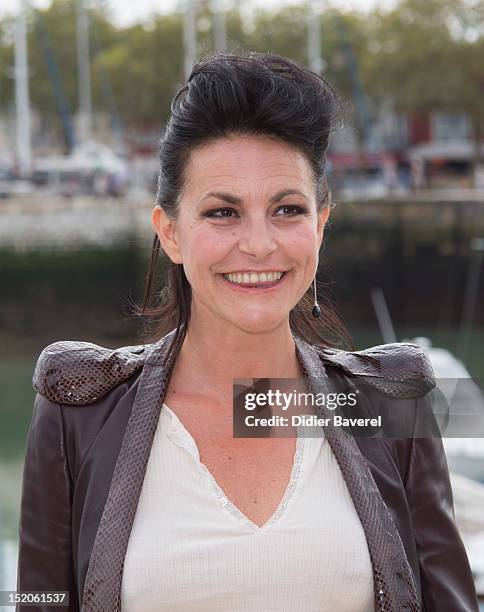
(24, 155)
(84, 73)
(220, 31)
(189, 37)
(315, 61)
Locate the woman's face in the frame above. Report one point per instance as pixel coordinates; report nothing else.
(247, 232)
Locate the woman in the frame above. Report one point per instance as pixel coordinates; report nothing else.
(136, 494)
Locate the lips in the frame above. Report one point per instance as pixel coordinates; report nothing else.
(254, 278)
(254, 281)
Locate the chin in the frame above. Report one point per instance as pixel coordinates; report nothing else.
(260, 323)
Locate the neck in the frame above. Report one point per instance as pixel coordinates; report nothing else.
(211, 360)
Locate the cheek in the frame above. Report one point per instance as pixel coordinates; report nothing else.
(303, 241)
(202, 247)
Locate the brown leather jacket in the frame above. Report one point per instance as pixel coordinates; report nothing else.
(93, 423)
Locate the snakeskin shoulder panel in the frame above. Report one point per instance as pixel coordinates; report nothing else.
(400, 369)
(78, 373)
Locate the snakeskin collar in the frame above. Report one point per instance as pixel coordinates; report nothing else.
(394, 583)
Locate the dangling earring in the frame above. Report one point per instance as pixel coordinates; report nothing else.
(316, 312)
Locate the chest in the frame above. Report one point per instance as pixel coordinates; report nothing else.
(253, 473)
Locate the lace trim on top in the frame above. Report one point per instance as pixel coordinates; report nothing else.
(235, 511)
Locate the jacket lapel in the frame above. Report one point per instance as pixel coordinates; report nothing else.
(102, 587)
(394, 584)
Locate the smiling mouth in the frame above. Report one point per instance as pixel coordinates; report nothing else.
(255, 280)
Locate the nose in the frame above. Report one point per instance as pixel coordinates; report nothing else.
(257, 239)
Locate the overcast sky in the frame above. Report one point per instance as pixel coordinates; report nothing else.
(126, 12)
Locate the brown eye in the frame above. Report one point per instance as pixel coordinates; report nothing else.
(221, 213)
(290, 210)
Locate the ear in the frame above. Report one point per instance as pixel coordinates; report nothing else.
(165, 227)
(322, 218)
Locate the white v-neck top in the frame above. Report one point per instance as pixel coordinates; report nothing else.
(192, 550)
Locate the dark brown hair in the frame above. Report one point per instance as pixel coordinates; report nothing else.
(242, 92)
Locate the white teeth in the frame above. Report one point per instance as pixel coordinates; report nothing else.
(253, 277)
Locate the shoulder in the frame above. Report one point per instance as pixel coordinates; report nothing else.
(78, 373)
(399, 369)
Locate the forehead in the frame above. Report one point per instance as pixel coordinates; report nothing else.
(251, 160)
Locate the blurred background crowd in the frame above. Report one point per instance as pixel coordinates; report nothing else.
(85, 89)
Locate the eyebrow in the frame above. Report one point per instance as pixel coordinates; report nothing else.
(231, 199)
